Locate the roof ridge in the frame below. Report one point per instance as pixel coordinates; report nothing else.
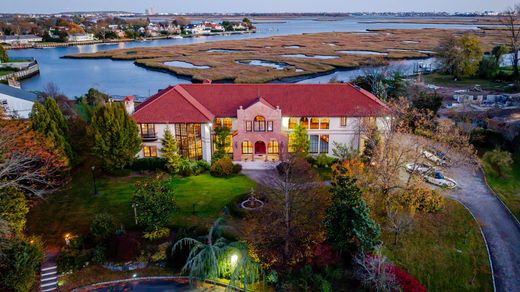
(369, 95)
(193, 101)
(152, 98)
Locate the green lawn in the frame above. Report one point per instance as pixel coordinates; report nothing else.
(447, 80)
(5, 71)
(444, 251)
(508, 189)
(72, 209)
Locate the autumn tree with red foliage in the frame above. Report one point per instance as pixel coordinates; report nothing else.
(29, 161)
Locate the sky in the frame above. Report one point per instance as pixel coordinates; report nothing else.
(51, 6)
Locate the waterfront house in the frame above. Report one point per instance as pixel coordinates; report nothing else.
(81, 37)
(260, 116)
(20, 39)
(16, 103)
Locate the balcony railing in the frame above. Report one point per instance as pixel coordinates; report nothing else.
(148, 137)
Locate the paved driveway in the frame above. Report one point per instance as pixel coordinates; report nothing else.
(501, 230)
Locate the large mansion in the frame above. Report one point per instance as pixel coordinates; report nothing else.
(260, 116)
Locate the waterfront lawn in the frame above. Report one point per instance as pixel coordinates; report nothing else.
(447, 81)
(444, 251)
(72, 209)
(508, 189)
(5, 71)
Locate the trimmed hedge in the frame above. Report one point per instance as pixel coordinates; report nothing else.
(155, 163)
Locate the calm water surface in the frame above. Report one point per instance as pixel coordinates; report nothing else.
(74, 77)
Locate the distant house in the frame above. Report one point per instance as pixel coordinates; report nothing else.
(81, 37)
(194, 29)
(16, 102)
(20, 39)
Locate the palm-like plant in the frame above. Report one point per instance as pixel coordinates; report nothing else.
(203, 259)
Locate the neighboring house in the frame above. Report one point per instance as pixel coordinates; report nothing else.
(81, 37)
(260, 116)
(16, 102)
(194, 29)
(20, 39)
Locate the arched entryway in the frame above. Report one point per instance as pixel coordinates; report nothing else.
(260, 148)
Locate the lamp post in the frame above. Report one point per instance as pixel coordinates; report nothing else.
(96, 193)
(135, 212)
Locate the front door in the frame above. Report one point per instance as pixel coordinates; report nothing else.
(260, 147)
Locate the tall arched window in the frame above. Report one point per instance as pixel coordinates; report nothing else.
(259, 124)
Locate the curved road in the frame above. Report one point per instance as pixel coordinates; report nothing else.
(501, 230)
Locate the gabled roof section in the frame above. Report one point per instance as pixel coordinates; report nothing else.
(171, 105)
(18, 93)
(262, 101)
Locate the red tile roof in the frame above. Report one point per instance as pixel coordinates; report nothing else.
(198, 103)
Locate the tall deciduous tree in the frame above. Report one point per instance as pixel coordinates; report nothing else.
(3, 55)
(348, 222)
(170, 151)
(299, 141)
(48, 120)
(116, 137)
(511, 20)
(290, 223)
(460, 56)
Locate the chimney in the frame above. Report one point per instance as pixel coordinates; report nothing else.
(206, 81)
(129, 104)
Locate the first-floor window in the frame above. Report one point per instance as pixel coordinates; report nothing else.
(290, 148)
(247, 147)
(324, 143)
(150, 151)
(314, 139)
(189, 140)
(273, 147)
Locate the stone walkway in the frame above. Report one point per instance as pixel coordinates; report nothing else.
(500, 228)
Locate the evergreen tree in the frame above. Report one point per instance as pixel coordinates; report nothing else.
(348, 223)
(299, 141)
(48, 120)
(115, 135)
(221, 143)
(170, 152)
(3, 55)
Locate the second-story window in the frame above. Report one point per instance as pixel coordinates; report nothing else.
(343, 122)
(324, 123)
(249, 126)
(293, 122)
(147, 130)
(259, 124)
(218, 123)
(228, 123)
(315, 123)
(269, 126)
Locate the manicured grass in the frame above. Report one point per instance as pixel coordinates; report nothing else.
(72, 209)
(447, 80)
(508, 189)
(5, 71)
(444, 251)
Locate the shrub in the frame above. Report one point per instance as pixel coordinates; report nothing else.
(185, 167)
(311, 159)
(73, 256)
(203, 165)
(325, 161)
(154, 163)
(405, 281)
(497, 163)
(99, 254)
(155, 202)
(237, 168)
(123, 248)
(421, 198)
(21, 258)
(157, 233)
(222, 167)
(102, 226)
